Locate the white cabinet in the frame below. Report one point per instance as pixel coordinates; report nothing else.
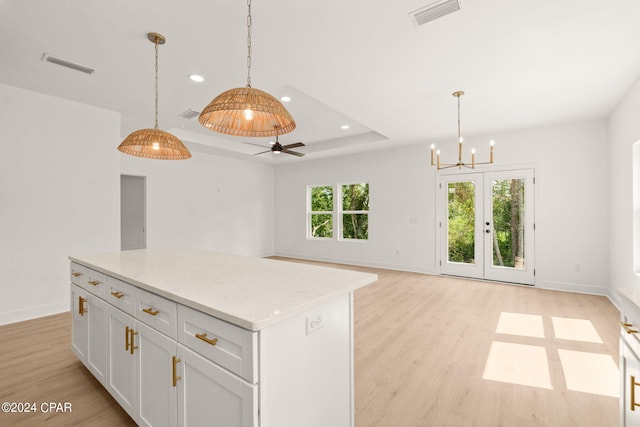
(121, 382)
(90, 330)
(630, 393)
(157, 393)
(209, 395)
(157, 381)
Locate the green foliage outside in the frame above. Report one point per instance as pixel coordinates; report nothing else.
(461, 222)
(322, 201)
(355, 197)
(508, 222)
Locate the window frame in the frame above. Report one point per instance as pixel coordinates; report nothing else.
(337, 212)
(311, 212)
(342, 212)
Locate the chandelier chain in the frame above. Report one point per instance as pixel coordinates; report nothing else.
(249, 23)
(156, 87)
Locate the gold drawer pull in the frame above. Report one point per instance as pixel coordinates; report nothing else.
(76, 274)
(131, 339)
(204, 338)
(117, 294)
(632, 394)
(151, 311)
(628, 328)
(94, 282)
(176, 378)
(81, 308)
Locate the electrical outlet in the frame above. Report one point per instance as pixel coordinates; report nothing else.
(314, 322)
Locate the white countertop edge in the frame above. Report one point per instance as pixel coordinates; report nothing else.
(631, 294)
(253, 326)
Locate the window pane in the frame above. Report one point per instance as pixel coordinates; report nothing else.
(508, 222)
(461, 207)
(322, 199)
(355, 226)
(355, 197)
(322, 225)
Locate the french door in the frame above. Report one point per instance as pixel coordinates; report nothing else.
(487, 225)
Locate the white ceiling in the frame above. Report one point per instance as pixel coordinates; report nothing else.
(359, 62)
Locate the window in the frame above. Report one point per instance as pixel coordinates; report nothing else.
(351, 210)
(355, 211)
(321, 217)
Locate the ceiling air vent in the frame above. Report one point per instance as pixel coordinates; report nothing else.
(59, 61)
(189, 114)
(434, 11)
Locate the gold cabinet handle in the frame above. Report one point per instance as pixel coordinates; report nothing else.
(174, 362)
(632, 394)
(81, 308)
(628, 328)
(117, 294)
(131, 339)
(204, 338)
(94, 282)
(76, 273)
(151, 311)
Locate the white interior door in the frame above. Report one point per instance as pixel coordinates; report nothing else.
(487, 225)
(132, 212)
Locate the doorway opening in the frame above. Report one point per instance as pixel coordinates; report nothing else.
(133, 230)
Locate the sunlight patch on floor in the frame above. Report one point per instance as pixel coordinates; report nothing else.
(526, 325)
(518, 364)
(590, 372)
(575, 329)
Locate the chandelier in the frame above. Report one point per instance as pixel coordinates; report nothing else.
(435, 155)
(246, 111)
(154, 143)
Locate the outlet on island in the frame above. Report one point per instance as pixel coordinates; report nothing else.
(314, 322)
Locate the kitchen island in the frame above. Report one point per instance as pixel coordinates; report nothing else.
(190, 337)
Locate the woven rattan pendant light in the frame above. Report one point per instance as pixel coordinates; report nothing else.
(154, 143)
(246, 111)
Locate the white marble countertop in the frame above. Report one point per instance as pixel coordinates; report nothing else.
(250, 292)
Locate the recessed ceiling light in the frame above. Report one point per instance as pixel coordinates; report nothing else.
(285, 98)
(196, 78)
(344, 127)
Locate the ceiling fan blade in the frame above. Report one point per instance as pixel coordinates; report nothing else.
(295, 153)
(257, 145)
(257, 154)
(294, 145)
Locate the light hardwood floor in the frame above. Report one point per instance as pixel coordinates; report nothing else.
(421, 347)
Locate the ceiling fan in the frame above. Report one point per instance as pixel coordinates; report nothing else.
(277, 148)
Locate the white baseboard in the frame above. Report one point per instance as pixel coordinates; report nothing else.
(360, 263)
(580, 288)
(33, 312)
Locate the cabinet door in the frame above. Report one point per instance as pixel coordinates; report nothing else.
(154, 381)
(98, 337)
(210, 395)
(79, 338)
(630, 396)
(121, 380)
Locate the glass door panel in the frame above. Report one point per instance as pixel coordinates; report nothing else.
(509, 227)
(462, 227)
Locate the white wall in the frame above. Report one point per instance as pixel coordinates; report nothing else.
(571, 212)
(208, 202)
(624, 131)
(59, 195)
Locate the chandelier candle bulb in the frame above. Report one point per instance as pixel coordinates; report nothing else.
(473, 158)
(432, 148)
(491, 152)
(438, 153)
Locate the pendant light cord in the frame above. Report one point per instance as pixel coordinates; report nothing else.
(156, 88)
(249, 44)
